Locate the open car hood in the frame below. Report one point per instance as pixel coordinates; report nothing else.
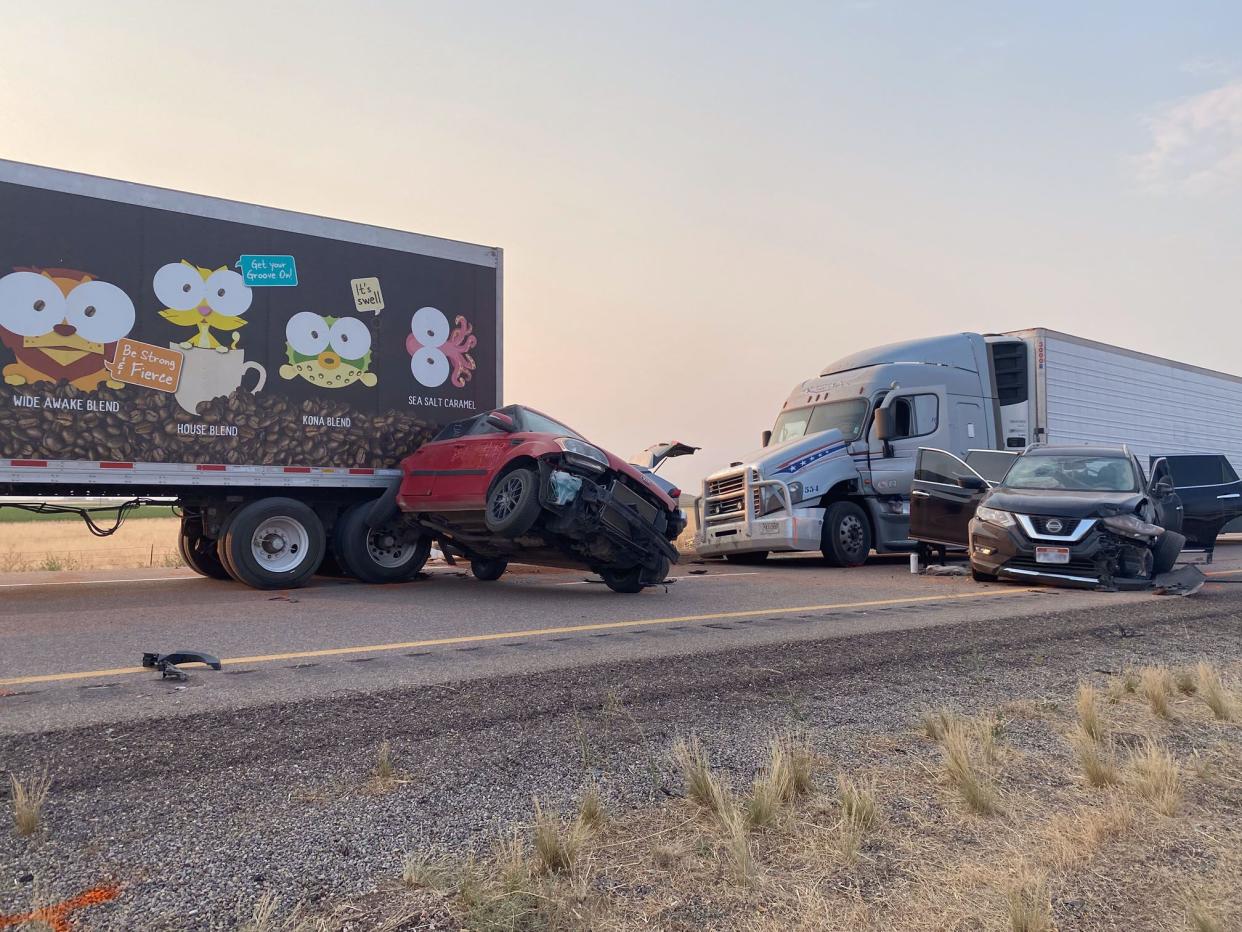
(1064, 504)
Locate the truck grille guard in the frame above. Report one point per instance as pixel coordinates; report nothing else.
(736, 497)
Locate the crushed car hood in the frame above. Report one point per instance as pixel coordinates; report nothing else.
(1064, 504)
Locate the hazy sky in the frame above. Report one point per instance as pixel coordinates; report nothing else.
(700, 204)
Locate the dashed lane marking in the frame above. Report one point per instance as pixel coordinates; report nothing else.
(564, 632)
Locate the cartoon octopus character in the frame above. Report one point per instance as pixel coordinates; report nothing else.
(435, 352)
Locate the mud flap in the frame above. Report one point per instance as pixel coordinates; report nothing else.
(384, 508)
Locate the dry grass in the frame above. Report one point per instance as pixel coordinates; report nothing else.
(55, 546)
(1096, 757)
(828, 859)
(28, 797)
(1156, 685)
(1186, 681)
(702, 784)
(556, 842)
(1126, 684)
(964, 772)
(1213, 692)
(1202, 916)
(1030, 908)
(591, 809)
(1156, 777)
(936, 722)
(1088, 706)
(787, 777)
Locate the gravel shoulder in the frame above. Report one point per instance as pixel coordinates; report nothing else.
(197, 818)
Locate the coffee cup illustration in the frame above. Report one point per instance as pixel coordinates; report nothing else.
(207, 374)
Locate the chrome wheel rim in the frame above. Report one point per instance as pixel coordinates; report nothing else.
(507, 496)
(280, 544)
(387, 548)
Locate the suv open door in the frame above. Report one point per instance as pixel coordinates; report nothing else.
(943, 498)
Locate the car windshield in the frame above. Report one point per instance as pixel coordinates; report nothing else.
(534, 422)
(1072, 473)
(845, 416)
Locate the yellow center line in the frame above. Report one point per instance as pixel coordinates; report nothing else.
(1221, 572)
(529, 632)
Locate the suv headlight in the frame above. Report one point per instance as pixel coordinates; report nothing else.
(581, 453)
(995, 516)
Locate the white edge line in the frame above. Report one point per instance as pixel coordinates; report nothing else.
(96, 582)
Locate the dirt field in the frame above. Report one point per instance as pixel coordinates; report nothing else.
(28, 546)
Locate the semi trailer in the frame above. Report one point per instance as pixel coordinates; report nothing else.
(834, 472)
(263, 369)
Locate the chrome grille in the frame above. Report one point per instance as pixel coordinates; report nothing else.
(725, 499)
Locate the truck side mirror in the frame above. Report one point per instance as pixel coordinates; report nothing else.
(884, 424)
(765, 438)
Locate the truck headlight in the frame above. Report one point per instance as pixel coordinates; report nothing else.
(995, 516)
(581, 453)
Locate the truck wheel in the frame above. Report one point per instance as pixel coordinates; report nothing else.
(199, 551)
(513, 503)
(274, 543)
(846, 539)
(749, 558)
(628, 581)
(488, 569)
(389, 553)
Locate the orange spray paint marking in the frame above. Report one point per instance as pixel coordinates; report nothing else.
(57, 917)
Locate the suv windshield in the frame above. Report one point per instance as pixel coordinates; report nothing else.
(845, 416)
(1071, 473)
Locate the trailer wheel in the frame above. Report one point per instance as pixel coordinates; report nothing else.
(846, 539)
(488, 569)
(389, 553)
(198, 551)
(274, 543)
(513, 503)
(222, 550)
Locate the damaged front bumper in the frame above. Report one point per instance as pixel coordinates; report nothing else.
(1109, 553)
(605, 522)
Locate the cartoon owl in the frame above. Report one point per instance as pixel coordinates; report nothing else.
(327, 351)
(201, 298)
(435, 353)
(61, 324)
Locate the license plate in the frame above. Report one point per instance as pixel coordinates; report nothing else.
(1052, 554)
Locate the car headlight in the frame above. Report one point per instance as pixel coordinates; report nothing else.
(995, 516)
(581, 453)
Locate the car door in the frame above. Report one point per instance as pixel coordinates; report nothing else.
(462, 484)
(991, 464)
(1211, 495)
(1169, 509)
(943, 498)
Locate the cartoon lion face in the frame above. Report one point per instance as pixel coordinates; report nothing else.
(329, 352)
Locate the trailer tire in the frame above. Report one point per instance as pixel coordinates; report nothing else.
(198, 551)
(383, 554)
(274, 543)
(222, 550)
(846, 538)
(488, 569)
(513, 503)
(748, 558)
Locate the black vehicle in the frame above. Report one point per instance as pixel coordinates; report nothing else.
(1211, 495)
(1076, 515)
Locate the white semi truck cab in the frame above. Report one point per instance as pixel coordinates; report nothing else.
(834, 472)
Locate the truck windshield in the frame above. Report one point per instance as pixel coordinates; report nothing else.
(1069, 473)
(845, 416)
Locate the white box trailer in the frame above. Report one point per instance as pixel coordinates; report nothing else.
(1089, 392)
(266, 369)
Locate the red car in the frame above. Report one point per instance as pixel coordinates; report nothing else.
(515, 482)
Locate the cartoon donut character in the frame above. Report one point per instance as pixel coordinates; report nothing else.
(61, 324)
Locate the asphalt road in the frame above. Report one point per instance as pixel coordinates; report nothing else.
(70, 646)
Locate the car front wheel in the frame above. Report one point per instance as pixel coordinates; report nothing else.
(628, 581)
(513, 503)
(488, 569)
